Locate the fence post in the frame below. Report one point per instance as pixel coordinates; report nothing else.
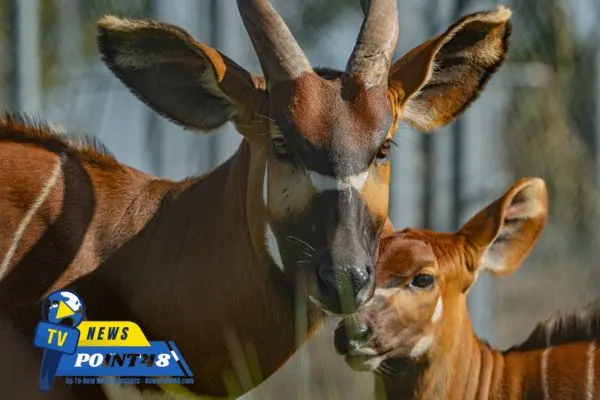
(25, 59)
(457, 135)
(597, 141)
(154, 131)
(69, 38)
(428, 153)
(225, 35)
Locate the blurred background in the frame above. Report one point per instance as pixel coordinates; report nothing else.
(539, 116)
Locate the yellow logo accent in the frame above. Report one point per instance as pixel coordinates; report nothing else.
(111, 333)
(64, 310)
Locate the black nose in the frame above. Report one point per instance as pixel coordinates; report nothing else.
(348, 286)
(349, 332)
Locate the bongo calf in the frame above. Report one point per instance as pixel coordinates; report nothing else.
(417, 331)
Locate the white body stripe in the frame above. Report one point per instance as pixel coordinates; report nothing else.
(544, 372)
(591, 373)
(29, 216)
(322, 183)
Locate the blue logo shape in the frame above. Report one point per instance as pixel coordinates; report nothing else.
(57, 333)
(95, 352)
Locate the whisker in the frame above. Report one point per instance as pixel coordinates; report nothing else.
(309, 255)
(301, 242)
(265, 117)
(386, 370)
(300, 262)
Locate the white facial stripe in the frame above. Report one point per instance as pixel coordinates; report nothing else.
(322, 183)
(437, 313)
(422, 346)
(273, 248)
(385, 293)
(265, 189)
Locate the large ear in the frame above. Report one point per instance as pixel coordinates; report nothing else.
(436, 81)
(501, 235)
(181, 79)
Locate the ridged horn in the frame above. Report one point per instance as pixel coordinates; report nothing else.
(376, 43)
(280, 56)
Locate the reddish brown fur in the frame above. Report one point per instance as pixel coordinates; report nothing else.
(36, 134)
(358, 112)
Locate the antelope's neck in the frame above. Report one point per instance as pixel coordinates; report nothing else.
(567, 371)
(458, 367)
(472, 370)
(192, 274)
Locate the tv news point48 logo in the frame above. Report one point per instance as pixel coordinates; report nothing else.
(78, 349)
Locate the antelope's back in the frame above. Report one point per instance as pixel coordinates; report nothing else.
(45, 203)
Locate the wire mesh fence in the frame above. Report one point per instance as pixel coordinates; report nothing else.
(539, 116)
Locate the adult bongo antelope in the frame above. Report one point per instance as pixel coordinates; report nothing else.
(306, 193)
(417, 331)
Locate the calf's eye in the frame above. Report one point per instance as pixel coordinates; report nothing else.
(422, 281)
